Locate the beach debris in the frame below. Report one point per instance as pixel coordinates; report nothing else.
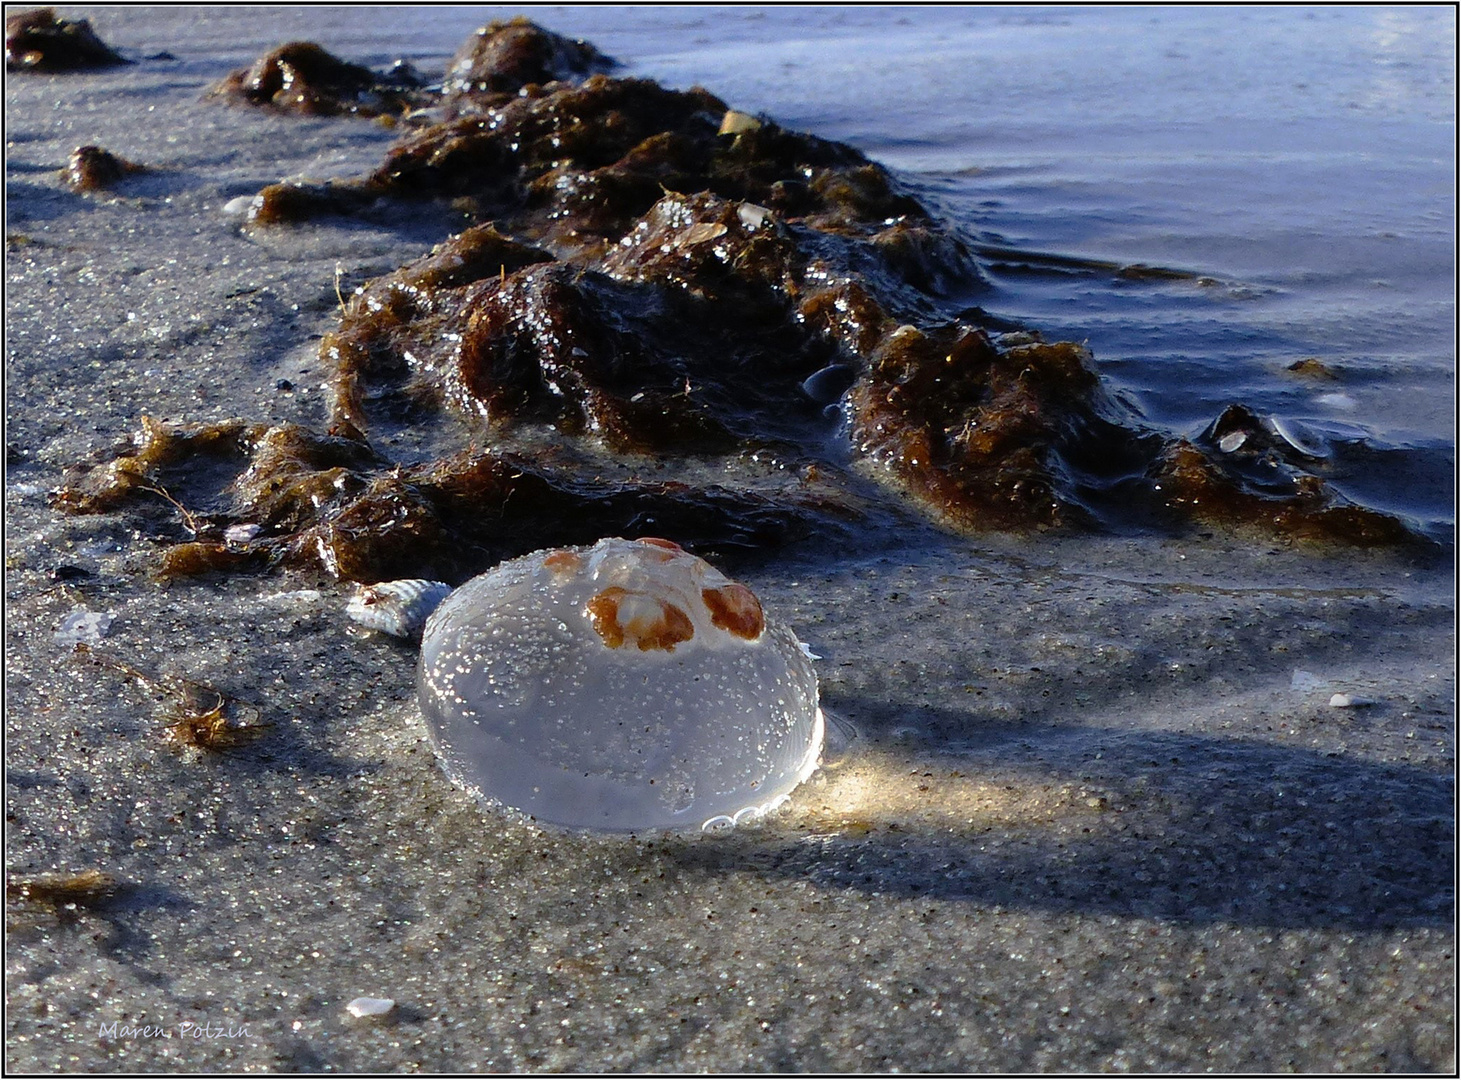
(1232, 441)
(370, 1007)
(83, 627)
(734, 123)
(200, 720)
(1311, 367)
(1350, 701)
(302, 77)
(239, 535)
(240, 205)
(195, 715)
(332, 502)
(39, 41)
(624, 686)
(58, 891)
(399, 608)
(502, 58)
(90, 168)
(645, 285)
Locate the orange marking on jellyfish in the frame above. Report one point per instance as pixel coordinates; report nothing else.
(621, 617)
(563, 561)
(735, 609)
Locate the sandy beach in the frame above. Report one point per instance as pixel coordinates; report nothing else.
(1101, 813)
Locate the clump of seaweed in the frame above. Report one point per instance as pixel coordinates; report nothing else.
(38, 41)
(332, 503)
(656, 274)
(304, 78)
(60, 893)
(195, 716)
(90, 168)
(504, 57)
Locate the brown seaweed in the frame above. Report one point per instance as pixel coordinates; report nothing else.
(58, 893)
(90, 168)
(328, 502)
(39, 41)
(504, 57)
(302, 77)
(654, 273)
(195, 716)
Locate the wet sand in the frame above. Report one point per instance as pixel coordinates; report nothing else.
(1101, 814)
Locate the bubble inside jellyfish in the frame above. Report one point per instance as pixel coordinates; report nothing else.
(625, 686)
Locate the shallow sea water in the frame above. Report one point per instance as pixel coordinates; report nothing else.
(1101, 815)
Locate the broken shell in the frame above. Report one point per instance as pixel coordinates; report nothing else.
(1232, 441)
(625, 686)
(1297, 437)
(396, 607)
(752, 215)
(369, 1006)
(733, 123)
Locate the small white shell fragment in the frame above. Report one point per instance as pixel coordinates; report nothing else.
(752, 215)
(733, 123)
(83, 627)
(240, 205)
(1232, 441)
(1017, 337)
(1349, 701)
(396, 607)
(625, 686)
(370, 1006)
(241, 534)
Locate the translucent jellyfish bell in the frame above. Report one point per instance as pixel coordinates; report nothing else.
(624, 686)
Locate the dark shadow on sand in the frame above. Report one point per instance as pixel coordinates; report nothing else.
(1189, 829)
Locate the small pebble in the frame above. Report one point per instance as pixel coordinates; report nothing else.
(829, 384)
(1348, 701)
(369, 1006)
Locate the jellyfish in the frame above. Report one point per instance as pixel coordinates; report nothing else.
(626, 686)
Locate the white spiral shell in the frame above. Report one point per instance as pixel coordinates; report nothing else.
(396, 607)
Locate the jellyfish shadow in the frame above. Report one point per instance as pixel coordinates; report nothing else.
(1183, 828)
